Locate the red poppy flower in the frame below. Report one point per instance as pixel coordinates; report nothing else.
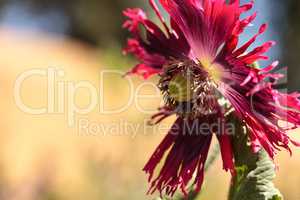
(199, 62)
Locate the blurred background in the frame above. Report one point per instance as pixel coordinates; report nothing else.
(43, 158)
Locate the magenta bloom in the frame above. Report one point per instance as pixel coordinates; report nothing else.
(199, 62)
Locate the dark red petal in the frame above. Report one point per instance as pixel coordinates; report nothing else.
(256, 54)
(186, 153)
(242, 49)
(153, 47)
(159, 15)
(226, 152)
(261, 107)
(143, 70)
(206, 25)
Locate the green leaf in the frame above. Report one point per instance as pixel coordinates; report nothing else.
(254, 172)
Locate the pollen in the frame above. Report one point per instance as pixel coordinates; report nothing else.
(213, 69)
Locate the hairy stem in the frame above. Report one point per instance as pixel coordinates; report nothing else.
(254, 171)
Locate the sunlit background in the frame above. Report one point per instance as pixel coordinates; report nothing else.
(44, 157)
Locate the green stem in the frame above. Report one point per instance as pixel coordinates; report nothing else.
(254, 172)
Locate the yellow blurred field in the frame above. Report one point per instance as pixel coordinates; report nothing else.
(42, 157)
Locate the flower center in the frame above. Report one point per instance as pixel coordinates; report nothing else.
(188, 89)
(180, 88)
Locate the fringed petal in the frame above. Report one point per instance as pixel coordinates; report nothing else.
(226, 152)
(151, 64)
(262, 111)
(206, 24)
(143, 70)
(187, 152)
(152, 47)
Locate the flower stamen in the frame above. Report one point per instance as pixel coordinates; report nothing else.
(188, 89)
